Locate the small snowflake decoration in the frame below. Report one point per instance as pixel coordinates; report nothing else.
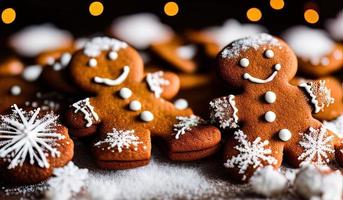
(24, 135)
(155, 82)
(186, 124)
(320, 94)
(316, 144)
(120, 139)
(84, 106)
(67, 181)
(224, 110)
(250, 154)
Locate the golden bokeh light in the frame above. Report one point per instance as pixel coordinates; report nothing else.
(277, 4)
(311, 16)
(254, 14)
(8, 15)
(96, 8)
(171, 8)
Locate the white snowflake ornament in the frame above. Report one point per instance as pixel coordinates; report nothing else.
(250, 154)
(27, 136)
(67, 181)
(156, 82)
(185, 124)
(120, 139)
(316, 145)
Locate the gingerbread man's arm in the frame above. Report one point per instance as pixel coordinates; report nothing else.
(319, 94)
(82, 118)
(163, 84)
(224, 112)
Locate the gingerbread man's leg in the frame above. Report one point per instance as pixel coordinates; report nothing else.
(122, 148)
(243, 155)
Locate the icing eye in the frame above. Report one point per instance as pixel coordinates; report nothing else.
(244, 62)
(277, 67)
(113, 55)
(269, 53)
(92, 62)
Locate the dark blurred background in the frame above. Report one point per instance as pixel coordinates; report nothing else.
(74, 15)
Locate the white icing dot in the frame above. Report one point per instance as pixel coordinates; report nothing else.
(338, 55)
(146, 116)
(246, 76)
(244, 62)
(181, 104)
(270, 97)
(15, 90)
(65, 59)
(269, 53)
(270, 116)
(92, 62)
(32, 73)
(277, 67)
(125, 93)
(135, 105)
(324, 61)
(285, 135)
(113, 55)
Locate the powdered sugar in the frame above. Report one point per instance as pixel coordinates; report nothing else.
(33, 40)
(336, 126)
(320, 94)
(316, 146)
(140, 30)
(94, 47)
(24, 135)
(156, 82)
(66, 182)
(119, 140)
(186, 124)
(224, 111)
(232, 30)
(239, 46)
(251, 154)
(307, 43)
(335, 26)
(84, 106)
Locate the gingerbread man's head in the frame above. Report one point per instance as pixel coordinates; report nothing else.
(256, 60)
(107, 62)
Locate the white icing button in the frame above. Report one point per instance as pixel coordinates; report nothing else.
(270, 116)
(113, 55)
(285, 135)
(135, 105)
(92, 62)
(146, 116)
(65, 59)
(269, 53)
(125, 93)
(15, 90)
(270, 97)
(277, 67)
(244, 62)
(181, 104)
(32, 73)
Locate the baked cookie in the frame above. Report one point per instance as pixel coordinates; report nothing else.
(270, 118)
(33, 40)
(215, 38)
(336, 92)
(128, 110)
(32, 144)
(317, 54)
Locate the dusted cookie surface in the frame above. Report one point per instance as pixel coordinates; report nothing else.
(271, 119)
(129, 108)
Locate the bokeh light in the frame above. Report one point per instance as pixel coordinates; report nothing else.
(277, 4)
(96, 8)
(8, 15)
(311, 16)
(171, 8)
(254, 14)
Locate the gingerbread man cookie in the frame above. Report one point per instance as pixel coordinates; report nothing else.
(271, 118)
(32, 144)
(128, 109)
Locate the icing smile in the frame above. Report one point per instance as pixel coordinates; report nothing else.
(247, 76)
(112, 82)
